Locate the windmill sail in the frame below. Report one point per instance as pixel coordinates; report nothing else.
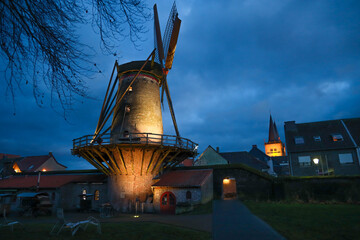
(170, 39)
(159, 54)
(172, 45)
(171, 35)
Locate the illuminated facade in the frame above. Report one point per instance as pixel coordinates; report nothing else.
(274, 147)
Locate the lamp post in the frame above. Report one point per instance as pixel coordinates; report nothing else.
(316, 161)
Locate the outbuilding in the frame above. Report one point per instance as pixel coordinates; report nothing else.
(180, 190)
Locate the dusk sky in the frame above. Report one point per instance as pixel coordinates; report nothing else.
(235, 62)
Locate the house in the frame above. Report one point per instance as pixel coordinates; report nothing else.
(66, 189)
(245, 158)
(6, 163)
(181, 189)
(323, 148)
(210, 156)
(38, 163)
(213, 157)
(260, 155)
(281, 165)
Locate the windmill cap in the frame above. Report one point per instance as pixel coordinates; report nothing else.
(136, 65)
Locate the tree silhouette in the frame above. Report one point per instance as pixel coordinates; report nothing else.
(40, 42)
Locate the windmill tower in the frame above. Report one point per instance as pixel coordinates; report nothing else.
(274, 147)
(132, 149)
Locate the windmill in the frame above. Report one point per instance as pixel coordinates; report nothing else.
(132, 148)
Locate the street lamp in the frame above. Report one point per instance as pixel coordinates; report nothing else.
(316, 161)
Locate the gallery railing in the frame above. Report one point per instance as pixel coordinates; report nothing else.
(136, 138)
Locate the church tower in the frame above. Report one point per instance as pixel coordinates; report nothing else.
(274, 147)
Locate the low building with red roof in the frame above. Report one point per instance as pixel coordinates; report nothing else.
(179, 190)
(66, 189)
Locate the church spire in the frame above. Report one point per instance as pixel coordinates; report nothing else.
(274, 147)
(273, 132)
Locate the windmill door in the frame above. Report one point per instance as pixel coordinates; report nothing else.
(167, 203)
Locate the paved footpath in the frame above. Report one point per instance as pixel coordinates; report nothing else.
(232, 220)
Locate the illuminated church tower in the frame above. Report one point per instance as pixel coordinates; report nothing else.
(274, 147)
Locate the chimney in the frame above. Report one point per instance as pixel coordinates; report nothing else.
(254, 146)
(217, 149)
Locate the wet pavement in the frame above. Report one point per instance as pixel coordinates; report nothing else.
(232, 220)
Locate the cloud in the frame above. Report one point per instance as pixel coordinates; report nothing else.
(235, 62)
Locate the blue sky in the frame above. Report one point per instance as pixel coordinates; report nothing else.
(236, 61)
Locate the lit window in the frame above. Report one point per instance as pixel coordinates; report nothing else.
(346, 158)
(317, 138)
(97, 195)
(304, 161)
(84, 194)
(337, 137)
(299, 140)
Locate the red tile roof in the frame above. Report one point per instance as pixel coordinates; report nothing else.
(35, 161)
(184, 178)
(187, 162)
(50, 181)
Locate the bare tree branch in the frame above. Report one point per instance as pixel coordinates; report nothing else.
(40, 44)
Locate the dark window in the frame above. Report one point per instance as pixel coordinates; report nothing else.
(172, 199)
(299, 140)
(317, 138)
(188, 195)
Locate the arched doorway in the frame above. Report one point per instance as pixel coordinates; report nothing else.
(229, 188)
(167, 203)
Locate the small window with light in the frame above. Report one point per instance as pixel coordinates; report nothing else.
(317, 138)
(97, 195)
(337, 137)
(299, 140)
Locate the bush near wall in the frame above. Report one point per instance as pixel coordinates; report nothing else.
(344, 189)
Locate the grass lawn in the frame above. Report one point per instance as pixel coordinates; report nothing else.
(201, 209)
(122, 230)
(310, 221)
